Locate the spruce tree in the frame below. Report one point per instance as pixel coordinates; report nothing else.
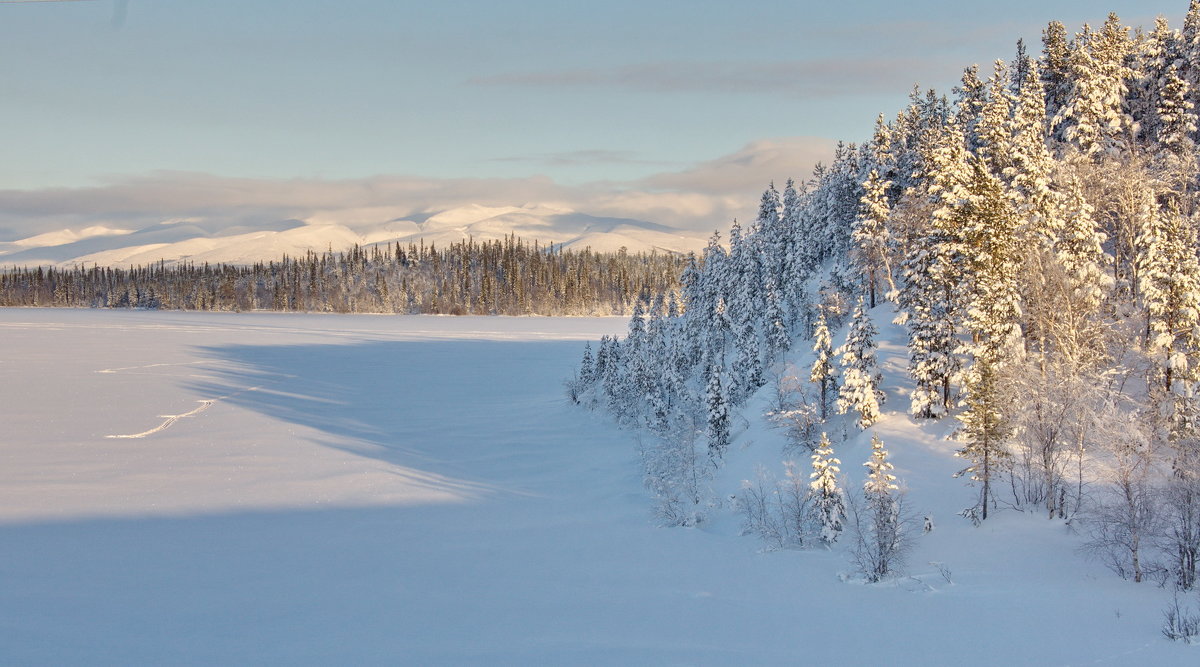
(880, 529)
(992, 130)
(971, 96)
(933, 273)
(872, 242)
(861, 377)
(718, 414)
(1170, 279)
(1189, 51)
(991, 257)
(1080, 245)
(747, 367)
(985, 430)
(790, 265)
(1030, 167)
(828, 501)
(1094, 118)
(1176, 117)
(778, 340)
(1056, 67)
(587, 367)
(823, 370)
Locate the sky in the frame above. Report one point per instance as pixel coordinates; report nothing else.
(681, 110)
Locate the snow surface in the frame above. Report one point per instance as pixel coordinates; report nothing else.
(188, 488)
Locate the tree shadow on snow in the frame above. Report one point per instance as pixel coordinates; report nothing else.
(449, 407)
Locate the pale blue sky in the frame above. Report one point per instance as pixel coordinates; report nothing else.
(577, 92)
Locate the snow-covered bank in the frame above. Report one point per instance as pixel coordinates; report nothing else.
(416, 490)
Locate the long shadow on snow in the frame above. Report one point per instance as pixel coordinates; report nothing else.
(383, 586)
(456, 408)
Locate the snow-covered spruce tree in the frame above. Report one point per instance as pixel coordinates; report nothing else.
(823, 373)
(718, 413)
(916, 131)
(985, 430)
(1055, 67)
(1153, 55)
(768, 239)
(828, 500)
(1188, 55)
(601, 367)
(871, 252)
(583, 381)
(743, 278)
(747, 364)
(880, 541)
(1176, 116)
(993, 130)
(795, 262)
(587, 369)
(639, 381)
(883, 149)
(992, 259)
(860, 373)
(835, 202)
(1093, 119)
(1170, 289)
(989, 246)
(1029, 168)
(678, 371)
(777, 337)
(933, 360)
(970, 98)
(615, 381)
(933, 276)
(1079, 247)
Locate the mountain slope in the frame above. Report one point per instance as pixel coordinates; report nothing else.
(200, 241)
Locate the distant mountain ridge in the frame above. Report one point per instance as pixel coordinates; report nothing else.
(200, 241)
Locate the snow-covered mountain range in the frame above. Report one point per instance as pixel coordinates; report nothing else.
(201, 241)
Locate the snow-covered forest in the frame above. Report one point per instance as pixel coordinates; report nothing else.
(508, 277)
(1031, 240)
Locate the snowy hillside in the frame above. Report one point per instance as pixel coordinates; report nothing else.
(212, 489)
(199, 242)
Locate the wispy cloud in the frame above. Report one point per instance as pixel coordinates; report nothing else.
(701, 197)
(748, 169)
(797, 77)
(582, 158)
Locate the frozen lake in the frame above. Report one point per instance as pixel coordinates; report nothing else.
(310, 489)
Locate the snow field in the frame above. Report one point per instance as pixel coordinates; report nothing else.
(416, 490)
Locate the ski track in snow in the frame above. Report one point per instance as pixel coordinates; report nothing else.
(205, 404)
(138, 368)
(169, 420)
